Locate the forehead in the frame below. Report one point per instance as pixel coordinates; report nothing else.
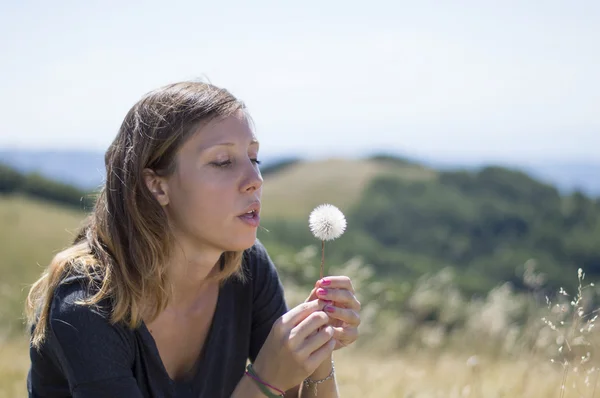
(230, 129)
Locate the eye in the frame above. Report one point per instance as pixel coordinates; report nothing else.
(255, 161)
(222, 164)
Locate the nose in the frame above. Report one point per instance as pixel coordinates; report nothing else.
(252, 179)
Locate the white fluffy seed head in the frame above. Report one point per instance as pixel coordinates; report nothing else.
(327, 222)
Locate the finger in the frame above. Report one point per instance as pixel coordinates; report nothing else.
(313, 295)
(345, 335)
(347, 315)
(336, 282)
(297, 314)
(318, 356)
(340, 296)
(305, 328)
(314, 343)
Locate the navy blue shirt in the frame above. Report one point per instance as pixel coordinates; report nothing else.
(86, 356)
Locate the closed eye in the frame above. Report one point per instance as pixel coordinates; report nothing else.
(226, 163)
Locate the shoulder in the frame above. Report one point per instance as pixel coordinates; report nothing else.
(72, 321)
(69, 295)
(258, 264)
(82, 347)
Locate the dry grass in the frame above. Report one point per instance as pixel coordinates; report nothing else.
(362, 375)
(14, 363)
(446, 375)
(31, 233)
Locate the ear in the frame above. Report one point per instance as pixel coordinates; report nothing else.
(157, 186)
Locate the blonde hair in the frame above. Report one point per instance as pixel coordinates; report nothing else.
(122, 247)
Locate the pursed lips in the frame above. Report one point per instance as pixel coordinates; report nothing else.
(252, 209)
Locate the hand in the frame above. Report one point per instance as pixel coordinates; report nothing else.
(298, 343)
(343, 310)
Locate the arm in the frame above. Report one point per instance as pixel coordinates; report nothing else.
(327, 389)
(94, 356)
(246, 388)
(343, 310)
(268, 306)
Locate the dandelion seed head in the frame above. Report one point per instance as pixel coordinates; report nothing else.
(327, 222)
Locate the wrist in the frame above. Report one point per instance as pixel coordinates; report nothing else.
(247, 388)
(323, 370)
(263, 385)
(323, 377)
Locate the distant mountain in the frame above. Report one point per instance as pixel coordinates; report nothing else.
(85, 169)
(566, 176)
(584, 177)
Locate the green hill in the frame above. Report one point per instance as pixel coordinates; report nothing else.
(291, 193)
(404, 220)
(31, 232)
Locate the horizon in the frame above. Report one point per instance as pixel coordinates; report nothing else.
(419, 81)
(435, 160)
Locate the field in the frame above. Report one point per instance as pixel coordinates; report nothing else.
(362, 375)
(33, 231)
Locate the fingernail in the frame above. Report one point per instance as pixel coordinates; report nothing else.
(329, 308)
(321, 292)
(325, 282)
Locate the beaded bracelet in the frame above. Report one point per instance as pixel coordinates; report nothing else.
(261, 384)
(308, 381)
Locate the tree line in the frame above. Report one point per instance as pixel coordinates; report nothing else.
(37, 186)
(484, 224)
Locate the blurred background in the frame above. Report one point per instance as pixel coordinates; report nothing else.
(462, 141)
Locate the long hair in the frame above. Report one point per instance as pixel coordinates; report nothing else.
(122, 247)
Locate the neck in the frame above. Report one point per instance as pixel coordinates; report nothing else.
(189, 270)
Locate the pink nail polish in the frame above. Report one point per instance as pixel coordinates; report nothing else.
(321, 292)
(329, 308)
(325, 282)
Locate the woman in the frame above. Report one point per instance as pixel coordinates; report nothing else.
(166, 291)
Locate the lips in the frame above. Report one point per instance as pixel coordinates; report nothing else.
(252, 210)
(251, 215)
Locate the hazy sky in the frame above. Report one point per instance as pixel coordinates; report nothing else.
(514, 80)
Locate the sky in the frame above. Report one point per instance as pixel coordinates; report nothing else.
(510, 80)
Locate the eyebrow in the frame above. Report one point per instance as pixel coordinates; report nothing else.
(253, 142)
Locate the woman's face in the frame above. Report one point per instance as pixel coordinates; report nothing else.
(217, 181)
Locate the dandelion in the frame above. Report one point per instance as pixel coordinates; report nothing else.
(326, 222)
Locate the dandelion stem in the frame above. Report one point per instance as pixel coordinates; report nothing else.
(322, 257)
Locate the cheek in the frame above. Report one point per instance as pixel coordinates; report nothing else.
(202, 197)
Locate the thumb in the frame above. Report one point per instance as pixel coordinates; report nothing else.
(313, 295)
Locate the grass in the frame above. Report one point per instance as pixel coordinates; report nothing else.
(31, 233)
(446, 375)
(295, 191)
(361, 374)
(14, 363)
